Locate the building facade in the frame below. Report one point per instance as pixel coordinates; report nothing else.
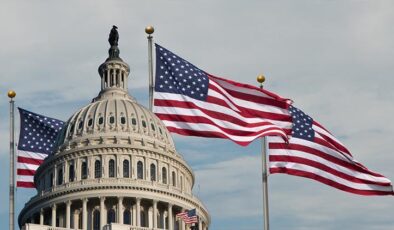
(116, 167)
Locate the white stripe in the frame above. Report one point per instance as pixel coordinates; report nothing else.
(219, 122)
(34, 155)
(329, 176)
(350, 172)
(211, 107)
(25, 178)
(26, 166)
(211, 128)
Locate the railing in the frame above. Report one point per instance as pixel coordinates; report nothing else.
(42, 227)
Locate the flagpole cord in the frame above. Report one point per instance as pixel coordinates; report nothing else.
(149, 30)
(264, 164)
(11, 95)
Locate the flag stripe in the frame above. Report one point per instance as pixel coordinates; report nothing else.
(24, 184)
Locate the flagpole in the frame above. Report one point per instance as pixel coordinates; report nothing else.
(11, 95)
(261, 80)
(149, 30)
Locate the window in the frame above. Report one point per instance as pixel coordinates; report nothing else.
(173, 179)
(153, 127)
(84, 170)
(96, 220)
(111, 168)
(71, 173)
(111, 216)
(123, 120)
(164, 175)
(51, 180)
(80, 125)
(126, 168)
(140, 170)
(112, 119)
(133, 121)
(127, 217)
(153, 172)
(144, 124)
(97, 169)
(60, 176)
(101, 120)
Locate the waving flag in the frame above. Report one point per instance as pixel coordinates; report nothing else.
(189, 217)
(192, 102)
(37, 139)
(314, 153)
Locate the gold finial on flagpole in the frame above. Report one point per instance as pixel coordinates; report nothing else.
(149, 30)
(11, 94)
(261, 80)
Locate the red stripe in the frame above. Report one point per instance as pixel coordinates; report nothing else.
(31, 161)
(209, 134)
(323, 155)
(234, 132)
(219, 114)
(323, 167)
(24, 184)
(25, 172)
(203, 120)
(329, 182)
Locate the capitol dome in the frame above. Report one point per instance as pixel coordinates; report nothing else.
(115, 167)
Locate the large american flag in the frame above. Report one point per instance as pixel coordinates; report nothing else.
(37, 139)
(313, 152)
(189, 217)
(192, 102)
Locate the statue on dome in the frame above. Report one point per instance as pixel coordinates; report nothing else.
(113, 36)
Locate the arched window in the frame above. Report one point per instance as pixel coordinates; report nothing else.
(97, 169)
(60, 176)
(153, 172)
(164, 175)
(111, 216)
(71, 173)
(126, 169)
(84, 170)
(140, 170)
(96, 220)
(111, 168)
(173, 179)
(127, 217)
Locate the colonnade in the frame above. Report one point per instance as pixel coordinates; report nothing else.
(94, 213)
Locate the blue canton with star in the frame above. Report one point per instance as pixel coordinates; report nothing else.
(37, 132)
(176, 75)
(302, 124)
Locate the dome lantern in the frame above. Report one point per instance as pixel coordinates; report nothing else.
(114, 71)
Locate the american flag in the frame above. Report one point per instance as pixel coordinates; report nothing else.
(192, 102)
(37, 139)
(313, 152)
(189, 217)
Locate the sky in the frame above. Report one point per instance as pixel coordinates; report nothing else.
(333, 58)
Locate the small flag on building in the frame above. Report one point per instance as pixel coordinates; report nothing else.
(193, 102)
(313, 152)
(37, 139)
(189, 217)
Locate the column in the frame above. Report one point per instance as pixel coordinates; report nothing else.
(138, 212)
(199, 223)
(42, 217)
(183, 225)
(53, 223)
(85, 213)
(68, 213)
(120, 210)
(170, 218)
(102, 214)
(154, 213)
